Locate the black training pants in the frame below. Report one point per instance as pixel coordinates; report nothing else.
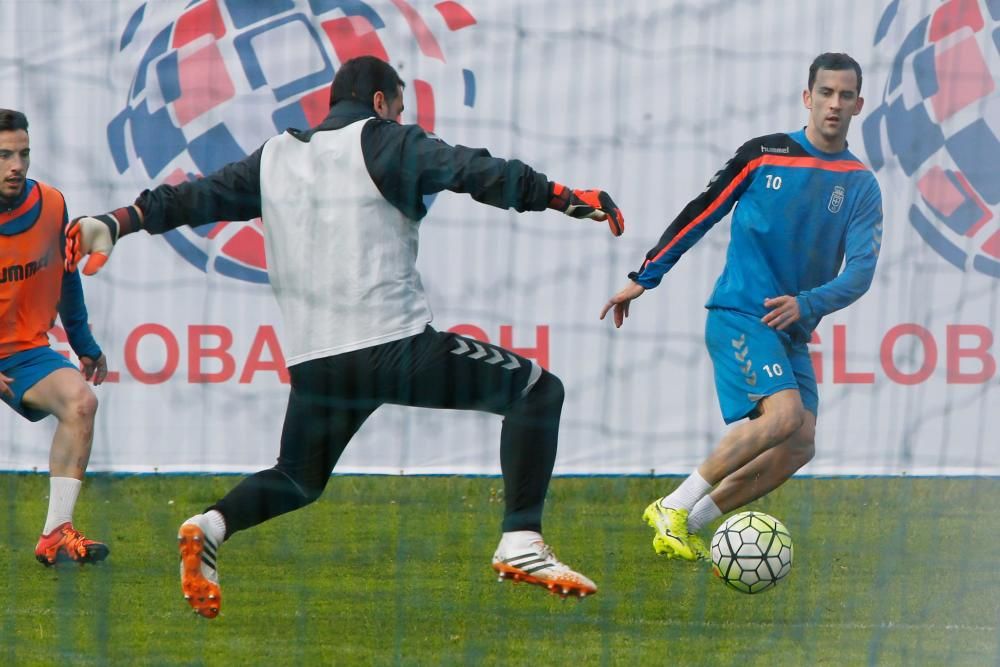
(332, 397)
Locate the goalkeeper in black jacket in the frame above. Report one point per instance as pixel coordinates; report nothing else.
(341, 205)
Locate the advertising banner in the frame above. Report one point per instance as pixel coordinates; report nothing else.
(644, 99)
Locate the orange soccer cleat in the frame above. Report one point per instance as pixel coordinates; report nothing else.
(536, 564)
(66, 543)
(199, 575)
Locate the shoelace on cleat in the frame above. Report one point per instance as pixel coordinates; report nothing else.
(73, 542)
(557, 565)
(561, 569)
(546, 553)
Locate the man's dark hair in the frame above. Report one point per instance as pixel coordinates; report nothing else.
(360, 78)
(834, 61)
(12, 120)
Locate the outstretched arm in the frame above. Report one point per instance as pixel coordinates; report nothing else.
(231, 193)
(406, 164)
(700, 215)
(690, 225)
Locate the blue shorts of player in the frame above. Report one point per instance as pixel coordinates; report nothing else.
(752, 361)
(28, 368)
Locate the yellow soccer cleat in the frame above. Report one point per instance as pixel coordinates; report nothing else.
(672, 538)
(699, 547)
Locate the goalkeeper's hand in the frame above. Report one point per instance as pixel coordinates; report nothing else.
(595, 204)
(90, 236)
(96, 236)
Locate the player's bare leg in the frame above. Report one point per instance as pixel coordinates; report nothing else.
(65, 394)
(769, 470)
(781, 417)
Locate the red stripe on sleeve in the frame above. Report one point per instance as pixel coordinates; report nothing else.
(810, 163)
(711, 208)
(769, 159)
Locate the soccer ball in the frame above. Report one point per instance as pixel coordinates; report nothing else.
(751, 552)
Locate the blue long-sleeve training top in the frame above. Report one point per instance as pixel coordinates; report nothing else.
(799, 213)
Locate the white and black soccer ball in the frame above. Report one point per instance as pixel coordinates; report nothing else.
(751, 552)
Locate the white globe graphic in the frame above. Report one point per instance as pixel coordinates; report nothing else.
(938, 123)
(217, 79)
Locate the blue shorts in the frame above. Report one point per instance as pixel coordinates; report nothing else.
(752, 361)
(27, 368)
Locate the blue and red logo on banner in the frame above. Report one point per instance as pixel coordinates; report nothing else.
(940, 118)
(225, 75)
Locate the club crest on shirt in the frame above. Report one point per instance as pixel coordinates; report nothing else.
(836, 199)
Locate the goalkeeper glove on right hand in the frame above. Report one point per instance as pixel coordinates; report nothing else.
(96, 236)
(595, 204)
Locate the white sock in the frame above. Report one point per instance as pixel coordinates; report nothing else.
(519, 539)
(705, 510)
(216, 527)
(63, 492)
(688, 493)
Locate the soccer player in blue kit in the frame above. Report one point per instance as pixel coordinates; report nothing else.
(805, 206)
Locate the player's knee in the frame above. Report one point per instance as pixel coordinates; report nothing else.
(547, 394)
(309, 489)
(549, 389)
(802, 450)
(784, 424)
(82, 406)
(311, 494)
(308, 486)
(88, 405)
(542, 402)
(803, 444)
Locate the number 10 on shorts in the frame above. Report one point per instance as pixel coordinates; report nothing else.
(773, 370)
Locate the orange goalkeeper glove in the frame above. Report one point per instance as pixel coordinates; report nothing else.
(595, 204)
(96, 236)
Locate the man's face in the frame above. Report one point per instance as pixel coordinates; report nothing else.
(832, 102)
(389, 110)
(14, 160)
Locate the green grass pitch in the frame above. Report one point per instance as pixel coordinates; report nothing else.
(395, 570)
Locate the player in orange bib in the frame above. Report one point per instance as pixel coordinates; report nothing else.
(35, 380)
